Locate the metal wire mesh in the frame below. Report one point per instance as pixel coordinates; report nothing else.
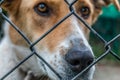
(32, 44)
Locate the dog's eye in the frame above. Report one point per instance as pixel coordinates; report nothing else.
(85, 12)
(42, 9)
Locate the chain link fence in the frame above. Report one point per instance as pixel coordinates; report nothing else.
(107, 44)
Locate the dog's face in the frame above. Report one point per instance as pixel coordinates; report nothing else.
(66, 48)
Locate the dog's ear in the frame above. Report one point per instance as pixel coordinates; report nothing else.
(98, 4)
(101, 3)
(11, 6)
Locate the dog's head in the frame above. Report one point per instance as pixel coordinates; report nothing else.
(66, 48)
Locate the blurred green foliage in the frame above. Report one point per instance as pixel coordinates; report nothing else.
(108, 26)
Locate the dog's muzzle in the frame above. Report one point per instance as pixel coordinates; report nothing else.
(79, 57)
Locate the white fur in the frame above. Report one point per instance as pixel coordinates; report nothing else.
(7, 57)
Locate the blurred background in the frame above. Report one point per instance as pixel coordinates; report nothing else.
(108, 26)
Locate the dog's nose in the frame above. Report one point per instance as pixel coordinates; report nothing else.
(79, 59)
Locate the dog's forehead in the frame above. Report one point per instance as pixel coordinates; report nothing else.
(57, 1)
(52, 1)
(70, 1)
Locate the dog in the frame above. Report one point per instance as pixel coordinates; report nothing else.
(66, 48)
